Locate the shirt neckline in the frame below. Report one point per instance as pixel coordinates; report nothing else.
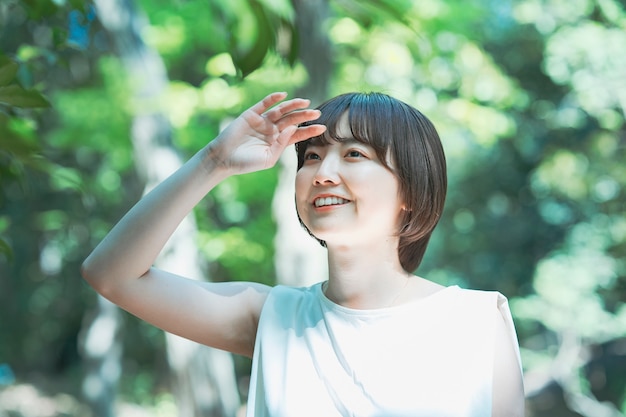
(378, 311)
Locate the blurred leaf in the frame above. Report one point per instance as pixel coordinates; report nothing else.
(6, 250)
(396, 9)
(63, 178)
(21, 150)
(16, 145)
(80, 4)
(8, 70)
(282, 8)
(14, 95)
(252, 58)
(38, 9)
(372, 11)
(292, 53)
(12, 140)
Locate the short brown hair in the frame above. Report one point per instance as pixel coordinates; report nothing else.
(393, 127)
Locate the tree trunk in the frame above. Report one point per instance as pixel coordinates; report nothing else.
(300, 260)
(203, 378)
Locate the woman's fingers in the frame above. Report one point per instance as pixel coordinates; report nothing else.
(306, 132)
(285, 117)
(278, 112)
(298, 117)
(293, 134)
(268, 102)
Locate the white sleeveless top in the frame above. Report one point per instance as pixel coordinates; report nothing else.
(429, 358)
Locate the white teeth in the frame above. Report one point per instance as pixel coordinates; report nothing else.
(329, 201)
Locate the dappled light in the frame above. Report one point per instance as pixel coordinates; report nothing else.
(564, 173)
(27, 401)
(346, 30)
(591, 58)
(168, 37)
(221, 64)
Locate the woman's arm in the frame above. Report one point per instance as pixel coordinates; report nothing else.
(120, 268)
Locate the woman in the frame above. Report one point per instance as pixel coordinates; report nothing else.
(374, 340)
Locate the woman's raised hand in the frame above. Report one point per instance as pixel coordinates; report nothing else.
(256, 139)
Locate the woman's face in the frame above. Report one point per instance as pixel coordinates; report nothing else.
(344, 193)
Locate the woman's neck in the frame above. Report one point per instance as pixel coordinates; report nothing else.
(366, 278)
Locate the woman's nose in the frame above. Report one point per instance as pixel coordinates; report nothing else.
(327, 172)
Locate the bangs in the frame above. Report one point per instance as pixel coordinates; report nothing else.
(369, 118)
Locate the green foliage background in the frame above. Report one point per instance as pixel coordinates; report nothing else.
(529, 97)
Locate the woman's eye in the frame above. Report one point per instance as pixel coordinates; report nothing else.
(354, 154)
(311, 155)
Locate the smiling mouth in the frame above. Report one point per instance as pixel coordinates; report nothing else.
(329, 201)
